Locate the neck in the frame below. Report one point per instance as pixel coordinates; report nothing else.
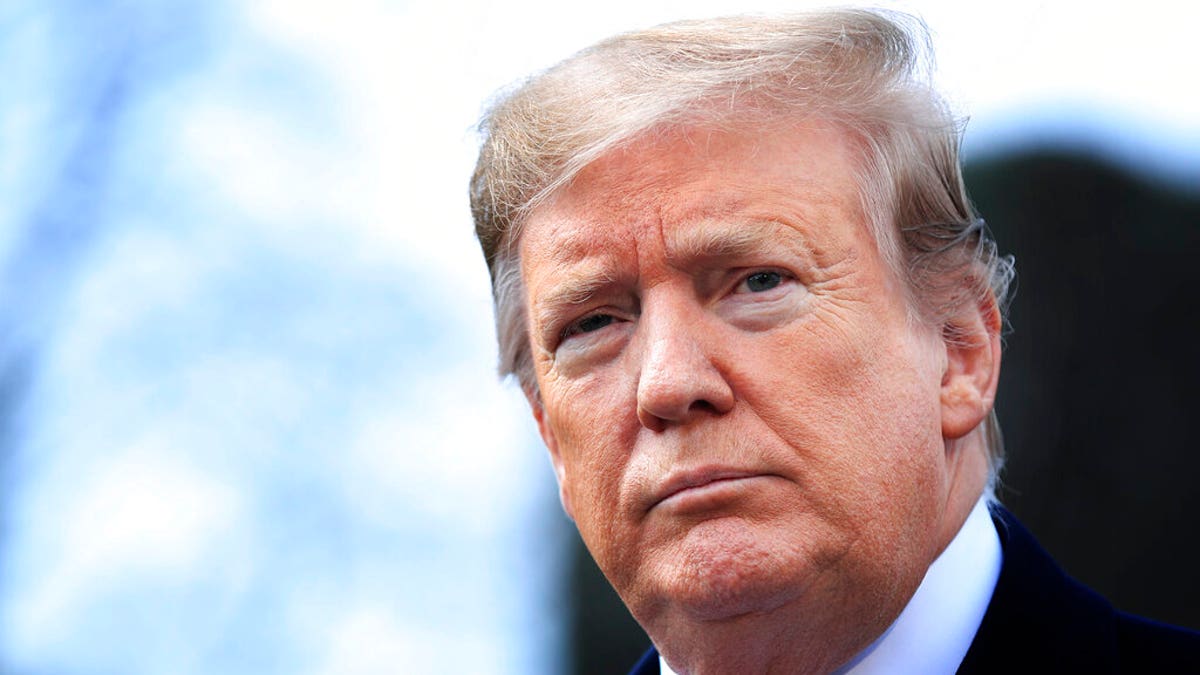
(966, 479)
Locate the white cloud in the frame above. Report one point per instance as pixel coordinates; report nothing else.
(365, 640)
(141, 514)
(457, 455)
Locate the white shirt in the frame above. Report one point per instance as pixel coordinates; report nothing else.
(936, 627)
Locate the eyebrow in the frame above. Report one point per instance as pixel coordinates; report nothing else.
(572, 288)
(722, 239)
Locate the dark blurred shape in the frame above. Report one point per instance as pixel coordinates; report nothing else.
(604, 637)
(1099, 376)
(1097, 385)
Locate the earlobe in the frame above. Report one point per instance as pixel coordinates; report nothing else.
(548, 437)
(972, 341)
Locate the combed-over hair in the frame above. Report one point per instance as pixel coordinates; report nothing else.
(866, 71)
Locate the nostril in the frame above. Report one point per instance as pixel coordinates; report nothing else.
(661, 404)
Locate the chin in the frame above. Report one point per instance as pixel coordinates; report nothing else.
(726, 572)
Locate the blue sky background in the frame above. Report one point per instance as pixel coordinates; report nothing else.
(248, 415)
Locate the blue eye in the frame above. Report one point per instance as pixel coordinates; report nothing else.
(763, 281)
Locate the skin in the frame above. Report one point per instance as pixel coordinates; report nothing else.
(760, 447)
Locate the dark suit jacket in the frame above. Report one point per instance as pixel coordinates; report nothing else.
(1041, 620)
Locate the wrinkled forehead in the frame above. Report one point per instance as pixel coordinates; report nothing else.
(692, 182)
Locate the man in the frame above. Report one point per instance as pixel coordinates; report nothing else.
(757, 322)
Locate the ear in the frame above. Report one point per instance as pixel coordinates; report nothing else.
(547, 433)
(972, 339)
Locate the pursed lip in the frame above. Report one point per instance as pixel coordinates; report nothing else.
(680, 481)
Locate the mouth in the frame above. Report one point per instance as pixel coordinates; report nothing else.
(700, 489)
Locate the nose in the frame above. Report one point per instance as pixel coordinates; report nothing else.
(679, 380)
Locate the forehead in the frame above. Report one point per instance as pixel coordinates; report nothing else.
(688, 190)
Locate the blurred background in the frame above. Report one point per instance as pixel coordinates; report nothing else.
(249, 421)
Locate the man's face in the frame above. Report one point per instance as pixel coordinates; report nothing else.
(741, 412)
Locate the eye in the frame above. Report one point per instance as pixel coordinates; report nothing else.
(761, 281)
(587, 324)
(761, 298)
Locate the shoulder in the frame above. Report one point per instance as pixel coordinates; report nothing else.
(647, 665)
(1040, 618)
(1150, 646)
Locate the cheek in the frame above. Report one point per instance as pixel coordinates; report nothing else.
(857, 408)
(589, 415)
(595, 428)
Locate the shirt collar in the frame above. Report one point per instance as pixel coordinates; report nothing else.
(935, 630)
